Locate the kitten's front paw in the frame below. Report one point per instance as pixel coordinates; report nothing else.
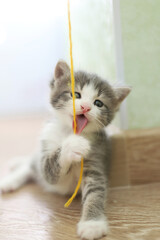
(7, 185)
(92, 229)
(74, 147)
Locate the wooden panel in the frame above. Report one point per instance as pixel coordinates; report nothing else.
(143, 154)
(119, 175)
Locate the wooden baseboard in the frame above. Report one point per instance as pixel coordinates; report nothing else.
(135, 157)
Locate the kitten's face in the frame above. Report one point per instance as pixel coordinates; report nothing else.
(96, 101)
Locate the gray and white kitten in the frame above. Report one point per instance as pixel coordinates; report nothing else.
(56, 165)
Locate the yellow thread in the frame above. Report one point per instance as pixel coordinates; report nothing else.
(77, 187)
(74, 109)
(72, 72)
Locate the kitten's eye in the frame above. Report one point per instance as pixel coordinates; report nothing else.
(98, 103)
(77, 95)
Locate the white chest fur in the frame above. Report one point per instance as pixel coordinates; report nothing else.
(54, 134)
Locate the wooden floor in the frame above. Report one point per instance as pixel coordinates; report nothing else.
(133, 214)
(30, 213)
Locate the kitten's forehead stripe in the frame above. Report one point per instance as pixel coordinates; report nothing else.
(102, 87)
(82, 79)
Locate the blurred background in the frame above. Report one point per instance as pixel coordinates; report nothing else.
(117, 39)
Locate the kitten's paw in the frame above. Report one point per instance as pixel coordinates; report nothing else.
(7, 185)
(74, 147)
(92, 229)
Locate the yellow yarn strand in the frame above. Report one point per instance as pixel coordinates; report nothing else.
(72, 72)
(74, 109)
(77, 187)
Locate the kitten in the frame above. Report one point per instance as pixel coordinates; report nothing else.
(56, 165)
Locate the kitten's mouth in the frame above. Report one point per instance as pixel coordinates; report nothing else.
(81, 122)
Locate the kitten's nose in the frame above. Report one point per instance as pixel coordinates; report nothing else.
(85, 108)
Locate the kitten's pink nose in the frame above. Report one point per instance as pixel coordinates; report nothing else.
(85, 108)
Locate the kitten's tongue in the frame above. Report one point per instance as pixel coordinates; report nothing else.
(81, 121)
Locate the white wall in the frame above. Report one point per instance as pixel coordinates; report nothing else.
(31, 41)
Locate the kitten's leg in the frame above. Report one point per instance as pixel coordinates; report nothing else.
(50, 167)
(56, 165)
(93, 223)
(17, 177)
(17, 162)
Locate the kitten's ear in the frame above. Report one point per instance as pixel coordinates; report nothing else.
(61, 69)
(121, 93)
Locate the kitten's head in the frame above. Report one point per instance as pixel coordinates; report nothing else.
(96, 100)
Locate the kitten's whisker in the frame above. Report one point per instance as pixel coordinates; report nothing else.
(93, 115)
(100, 122)
(98, 132)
